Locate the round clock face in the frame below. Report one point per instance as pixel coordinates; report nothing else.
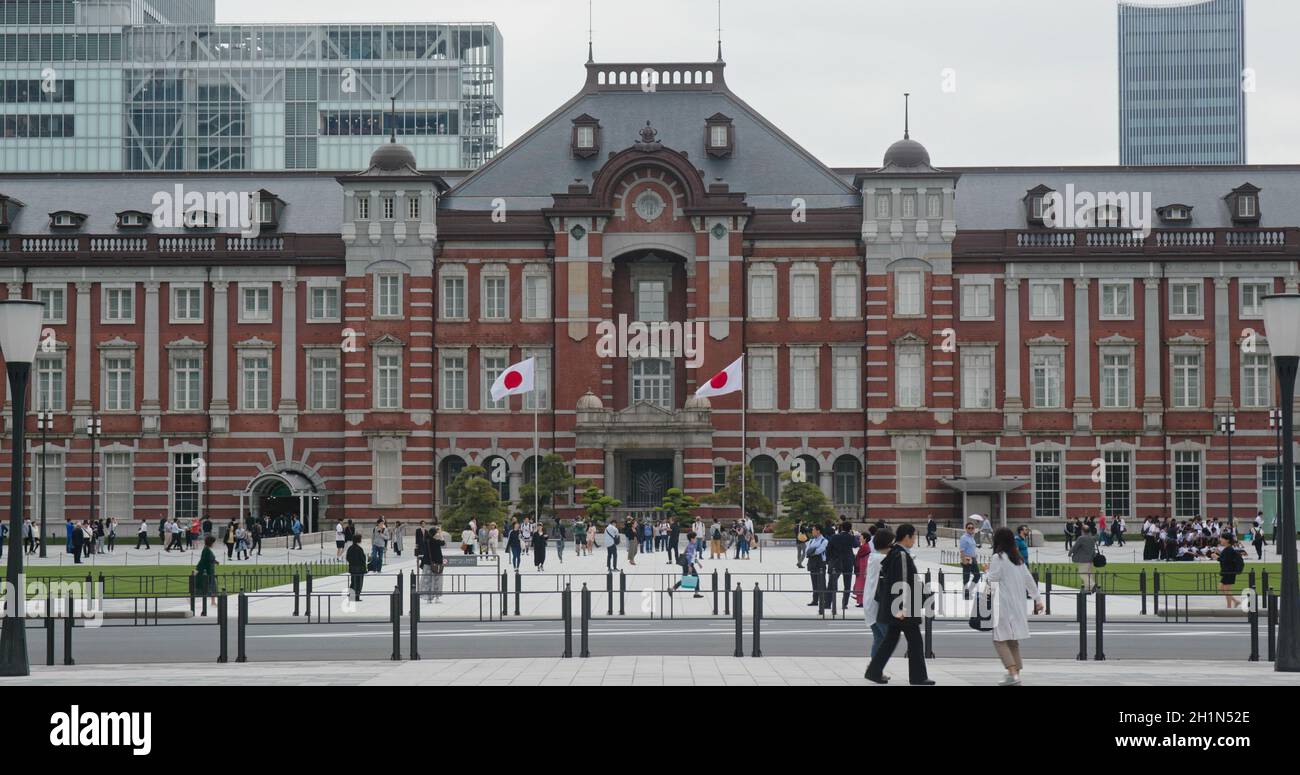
(649, 206)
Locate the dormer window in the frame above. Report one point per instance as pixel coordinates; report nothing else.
(9, 208)
(66, 220)
(586, 137)
(202, 219)
(1107, 217)
(719, 136)
(133, 219)
(1036, 205)
(269, 210)
(1243, 204)
(1176, 214)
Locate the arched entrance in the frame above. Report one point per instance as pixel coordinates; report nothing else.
(276, 498)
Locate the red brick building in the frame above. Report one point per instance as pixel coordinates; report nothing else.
(918, 340)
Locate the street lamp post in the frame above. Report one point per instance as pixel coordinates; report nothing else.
(20, 332)
(94, 427)
(1275, 423)
(1228, 427)
(45, 423)
(1282, 324)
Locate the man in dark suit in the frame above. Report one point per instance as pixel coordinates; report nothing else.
(901, 607)
(841, 556)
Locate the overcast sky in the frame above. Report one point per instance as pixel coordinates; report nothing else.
(1035, 81)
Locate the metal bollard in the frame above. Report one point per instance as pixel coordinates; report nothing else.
(736, 604)
(1272, 626)
(622, 593)
(1048, 575)
(757, 650)
(726, 599)
(49, 632)
(415, 623)
(929, 622)
(1155, 592)
(401, 591)
(223, 628)
(309, 593)
(192, 593)
(1081, 613)
(1101, 625)
(715, 591)
(242, 655)
(519, 591)
(395, 613)
(505, 593)
(586, 620)
(295, 594)
(1142, 587)
(68, 621)
(566, 611)
(1253, 616)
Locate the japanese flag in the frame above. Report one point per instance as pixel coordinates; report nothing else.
(729, 380)
(515, 381)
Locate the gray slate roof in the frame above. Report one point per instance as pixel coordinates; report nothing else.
(767, 166)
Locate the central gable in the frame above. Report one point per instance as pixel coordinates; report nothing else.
(765, 163)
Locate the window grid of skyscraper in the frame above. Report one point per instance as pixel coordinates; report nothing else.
(1182, 83)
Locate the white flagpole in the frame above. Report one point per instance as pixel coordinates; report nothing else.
(744, 451)
(537, 493)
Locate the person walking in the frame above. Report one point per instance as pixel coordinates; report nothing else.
(1231, 563)
(1012, 583)
(591, 537)
(230, 541)
(689, 563)
(816, 557)
(897, 609)
(579, 536)
(241, 543)
(484, 540)
(339, 539)
(881, 544)
(1023, 537)
(514, 544)
(539, 549)
(378, 545)
(205, 573)
(29, 542)
(356, 559)
(840, 552)
(1083, 555)
(1257, 539)
(860, 561)
(141, 536)
(633, 540)
(931, 533)
(296, 529)
(800, 544)
(970, 569)
(255, 536)
(672, 540)
(68, 527)
(78, 542)
(561, 538)
(110, 534)
(1071, 533)
(399, 536)
(432, 563)
(715, 541)
(611, 545)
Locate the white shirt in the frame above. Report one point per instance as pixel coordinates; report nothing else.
(870, 608)
(338, 531)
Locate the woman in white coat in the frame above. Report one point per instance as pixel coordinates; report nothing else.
(1009, 575)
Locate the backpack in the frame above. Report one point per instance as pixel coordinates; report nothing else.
(1238, 563)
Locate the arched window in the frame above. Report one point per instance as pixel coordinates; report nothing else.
(810, 467)
(652, 382)
(765, 474)
(848, 482)
(498, 471)
(447, 472)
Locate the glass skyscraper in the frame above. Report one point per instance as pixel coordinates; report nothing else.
(156, 85)
(1182, 83)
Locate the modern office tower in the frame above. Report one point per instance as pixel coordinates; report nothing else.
(1182, 83)
(156, 85)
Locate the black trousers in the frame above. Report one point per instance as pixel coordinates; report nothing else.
(911, 629)
(970, 573)
(847, 575)
(142, 538)
(672, 550)
(355, 584)
(611, 558)
(817, 570)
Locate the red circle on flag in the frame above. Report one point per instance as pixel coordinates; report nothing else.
(719, 382)
(513, 380)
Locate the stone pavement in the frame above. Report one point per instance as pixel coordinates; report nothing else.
(650, 671)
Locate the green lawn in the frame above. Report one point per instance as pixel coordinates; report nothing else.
(1126, 578)
(173, 580)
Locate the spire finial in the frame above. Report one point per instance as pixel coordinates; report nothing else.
(392, 119)
(719, 30)
(591, 51)
(907, 115)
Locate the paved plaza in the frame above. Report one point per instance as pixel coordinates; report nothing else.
(650, 671)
